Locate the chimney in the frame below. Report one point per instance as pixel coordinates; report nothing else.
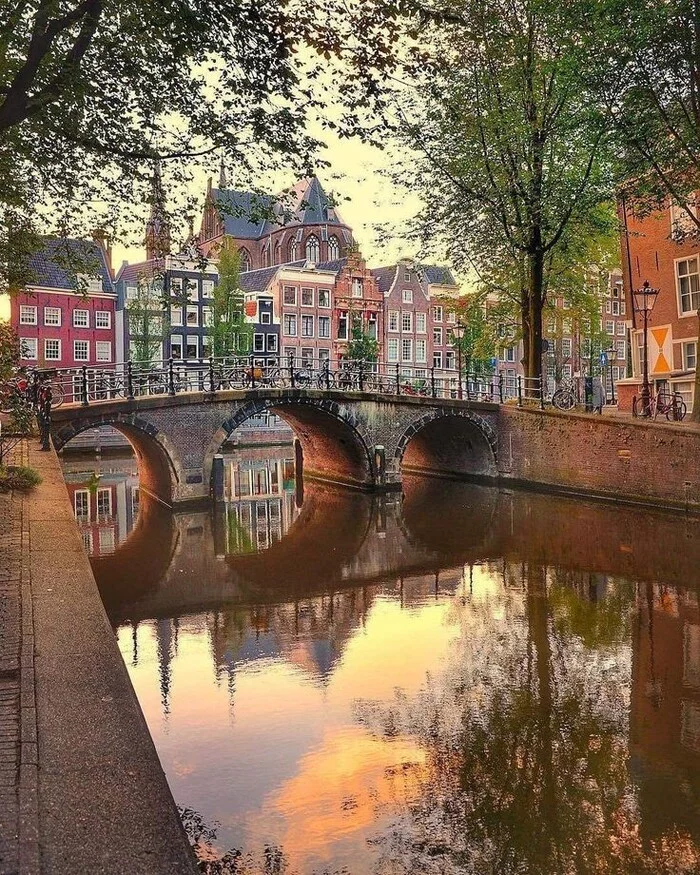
(100, 236)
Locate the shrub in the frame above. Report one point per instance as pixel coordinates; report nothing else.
(19, 478)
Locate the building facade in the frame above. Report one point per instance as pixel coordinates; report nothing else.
(663, 249)
(66, 319)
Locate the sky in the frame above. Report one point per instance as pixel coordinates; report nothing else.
(366, 200)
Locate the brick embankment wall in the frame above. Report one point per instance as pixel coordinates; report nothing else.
(631, 460)
(104, 805)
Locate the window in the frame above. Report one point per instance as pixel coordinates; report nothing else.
(52, 316)
(451, 316)
(176, 346)
(437, 336)
(106, 537)
(343, 325)
(207, 316)
(393, 320)
(313, 249)
(290, 325)
(437, 314)
(420, 323)
(407, 296)
(567, 371)
(293, 250)
(616, 308)
(289, 295)
(324, 355)
(565, 347)
(103, 319)
(272, 343)
(206, 347)
(192, 289)
(29, 347)
(421, 351)
(609, 326)
(193, 315)
(356, 287)
(333, 248)
(406, 349)
(81, 503)
(81, 318)
(81, 350)
(258, 343)
(324, 298)
(437, 359)
(176, 285)
(52, 350)
(307, 297)
(207, 288)
(104, 502)
(192, 346)
(688, 284)
(27, 315)
(407, 275)
(623, 308)
(131, 292)
(176, 315)
(406, 320)
(307, 326)
(103, 350)
(508, 354)
(608, 307)
(690, 355)
(393, 349)
(566, 304)
(307, 357)
(324, 326)
(621, 348)
(266, 318)
(372, 325)
(450, 360)
(621, 329)
(290, 353)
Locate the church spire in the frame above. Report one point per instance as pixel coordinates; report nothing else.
(223, 185)
(158, 225)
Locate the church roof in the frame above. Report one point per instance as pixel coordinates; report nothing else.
(245, 214)
(57, 263)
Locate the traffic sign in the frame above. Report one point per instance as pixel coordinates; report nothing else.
(603, 358)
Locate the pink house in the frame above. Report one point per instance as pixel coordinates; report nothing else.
(65, 318)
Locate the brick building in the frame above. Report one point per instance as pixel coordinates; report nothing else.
(66, 316)
(657, 247)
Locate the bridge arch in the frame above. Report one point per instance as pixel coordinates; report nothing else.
(156, 457)
(449, 443)
(334, 442)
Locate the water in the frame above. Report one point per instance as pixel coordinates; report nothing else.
(456, 680)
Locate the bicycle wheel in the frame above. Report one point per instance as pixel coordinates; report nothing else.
(57, 394)
(637, 406)
(676, 412)
(563, 399)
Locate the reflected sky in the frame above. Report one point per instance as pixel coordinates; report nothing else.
(460, 680)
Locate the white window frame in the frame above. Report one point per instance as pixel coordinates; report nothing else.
(437, 314)
(79, 324)
(407, 296)
(192, 310)
(28, 314)
(407, 321)
(437, 336)
(307, 319)
(301, 296)
(192, 340)
(207, 315)
(208, 288)
(393, 349)
(51, 340)
(679, 295)
(286, 289)
(176, 316)
(108, 319)
(421, 350)
(83, 494)
(289, 319)
(686, 357)
(324, 322)
(53, 311)
(437, 358)
(421, 323)
(29, 348)
(86, 344)
(406, 345)
(393, 320)
(324, 295)
(102, 347)
(177, 340)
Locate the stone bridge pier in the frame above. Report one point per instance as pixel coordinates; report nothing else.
(360, 440)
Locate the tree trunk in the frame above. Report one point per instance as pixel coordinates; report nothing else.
(533, 346)
(695, 413)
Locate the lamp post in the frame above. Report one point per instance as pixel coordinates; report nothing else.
(643, 301)
(458, 334)
(612, 358)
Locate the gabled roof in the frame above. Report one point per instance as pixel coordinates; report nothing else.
(385, 277)
(333, 266)
(311, 205)
(56, 265)
(131, 272)
(437, 274)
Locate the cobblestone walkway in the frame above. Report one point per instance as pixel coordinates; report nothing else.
(10, 640)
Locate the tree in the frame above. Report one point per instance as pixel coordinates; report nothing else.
(477, 345)
(230, 333)
(148, 319)
(510, 147)
(362, 347)
(9, 350)
(91, 91)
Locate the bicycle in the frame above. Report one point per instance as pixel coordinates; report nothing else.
(564, 398)
(24, 390)
(669, 403)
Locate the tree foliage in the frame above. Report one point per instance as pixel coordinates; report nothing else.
(362, 347)
(148, 315)
(477, 343)
(230, 333)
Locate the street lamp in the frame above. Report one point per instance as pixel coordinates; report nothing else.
(643, 301)
(458, 334)
(612, 358)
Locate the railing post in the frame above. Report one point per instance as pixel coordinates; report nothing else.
(327, 366)
(541, 394)
(468, 390)
(292, 380)
(500, 386)
(361, 376)
(130, 380)
(211, 375)
(171, 377)
(520, 391)
(398, 379)
(432, 381)
(252, 374)
(84, 388)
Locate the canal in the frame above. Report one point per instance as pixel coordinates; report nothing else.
(457, 679)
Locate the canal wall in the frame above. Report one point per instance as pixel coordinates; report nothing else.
(96, 798)
(650, 463)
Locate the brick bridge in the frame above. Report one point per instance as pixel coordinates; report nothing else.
(362, 440)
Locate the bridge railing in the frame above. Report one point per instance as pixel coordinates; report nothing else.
(131, 379)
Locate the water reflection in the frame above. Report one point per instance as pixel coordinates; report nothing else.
(459, 680)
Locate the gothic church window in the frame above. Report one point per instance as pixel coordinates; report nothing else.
(313, 249)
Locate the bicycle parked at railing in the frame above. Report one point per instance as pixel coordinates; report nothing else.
(671, 404)
(25, 389)
(564, 398)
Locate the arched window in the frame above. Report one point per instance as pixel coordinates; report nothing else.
(333, 249)
(266, 255)
(278, 254)
(293, 250)
(313, 249)
(245, 260)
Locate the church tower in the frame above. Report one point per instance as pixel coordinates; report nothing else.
(158, 225)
